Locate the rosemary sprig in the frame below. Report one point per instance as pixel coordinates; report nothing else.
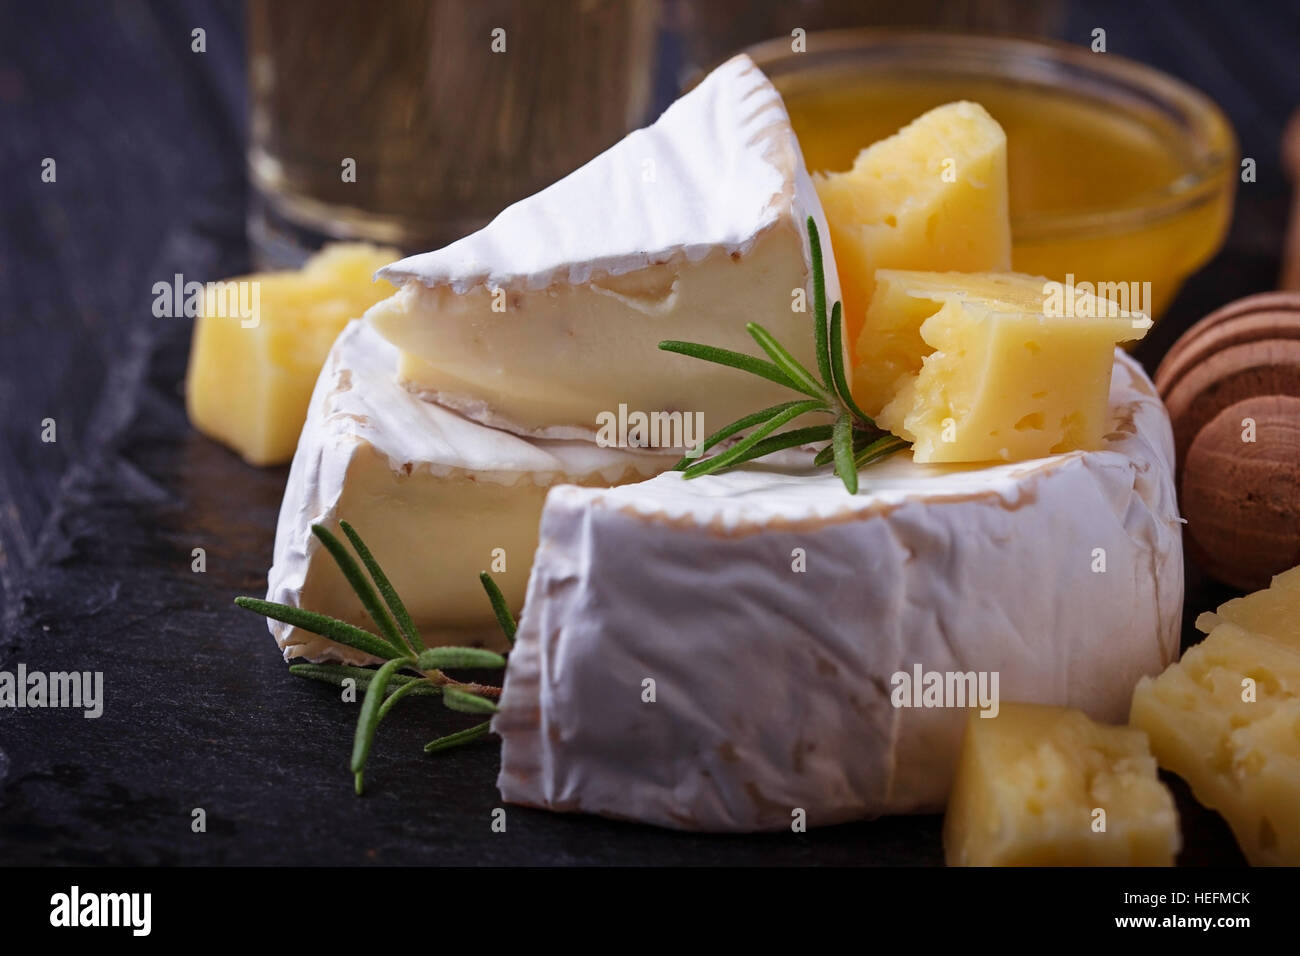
(399, 645)
(854, 439)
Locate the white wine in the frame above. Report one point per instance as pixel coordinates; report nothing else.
(412, 123)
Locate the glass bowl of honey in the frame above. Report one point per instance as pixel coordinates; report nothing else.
(1117, 172)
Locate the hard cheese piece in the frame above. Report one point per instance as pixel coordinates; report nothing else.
(689, 229)
(433, 495)
(1001, 379)
(1226, 719)
(718, 653)
(933, 196)
(248, 385)
(1273, 613)
(1046, 786)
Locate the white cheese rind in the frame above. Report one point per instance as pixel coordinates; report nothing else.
(719, 167)
(687, 229)
(772, 687)
(430, 492)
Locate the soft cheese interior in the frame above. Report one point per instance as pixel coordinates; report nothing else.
(438, 498)
(770, 614)
(687, 229)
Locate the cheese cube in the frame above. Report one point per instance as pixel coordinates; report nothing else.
(933, 196)
(1046, 786)
(1002, 379)
(250, 377)
(1226, 719)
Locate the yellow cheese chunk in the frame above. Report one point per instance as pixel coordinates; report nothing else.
(251, 375)
(933, 196)
(1046, 786)
(995, 377)
(1226, 719)
(1273, 612)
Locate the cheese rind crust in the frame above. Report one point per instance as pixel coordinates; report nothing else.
(772, 686)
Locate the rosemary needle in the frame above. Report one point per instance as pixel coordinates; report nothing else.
(458, 738)
(499, 607)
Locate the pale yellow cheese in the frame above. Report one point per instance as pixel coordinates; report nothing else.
(1047, 786)
(250, 377)
(933, 196)
(436, 497)
(996, 377)
(551, 362)
(1226, 719)
(1273, 612)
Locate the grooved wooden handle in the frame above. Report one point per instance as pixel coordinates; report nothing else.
(1232, 386)
(1290, 277)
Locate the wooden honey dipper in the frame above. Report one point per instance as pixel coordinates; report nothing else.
(1232, 386)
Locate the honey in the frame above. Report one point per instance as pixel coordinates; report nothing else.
(1096, 188)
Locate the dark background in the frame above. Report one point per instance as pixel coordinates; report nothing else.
(96, 530)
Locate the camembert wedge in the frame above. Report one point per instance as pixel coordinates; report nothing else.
(438, 498)
(551, 314)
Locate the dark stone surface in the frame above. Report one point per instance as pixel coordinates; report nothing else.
(96, 530)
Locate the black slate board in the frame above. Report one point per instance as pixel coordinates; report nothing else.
(96, 530)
